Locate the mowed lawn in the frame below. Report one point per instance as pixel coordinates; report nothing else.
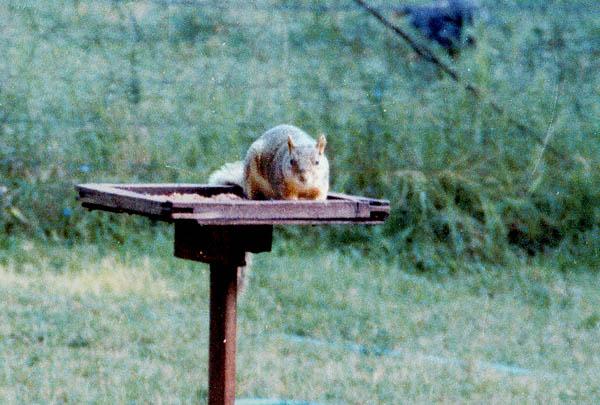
(129, 324)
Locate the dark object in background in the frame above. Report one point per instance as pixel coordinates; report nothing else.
(443, 22)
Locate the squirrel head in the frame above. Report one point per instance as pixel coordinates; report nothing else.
(307, 162)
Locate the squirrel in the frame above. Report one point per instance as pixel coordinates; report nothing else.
(284, 163)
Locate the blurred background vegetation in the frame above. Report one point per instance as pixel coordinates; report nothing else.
(167, 91)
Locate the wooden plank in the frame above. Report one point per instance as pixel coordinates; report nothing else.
(158, 217)
(279, 221)
(111, 197)
(280, 209)
(348, 197)
(111, 190)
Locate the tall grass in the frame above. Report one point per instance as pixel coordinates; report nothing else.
(140, 91)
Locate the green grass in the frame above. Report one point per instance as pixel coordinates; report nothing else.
(114, 324)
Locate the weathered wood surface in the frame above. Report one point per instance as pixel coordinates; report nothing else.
(222, 244)
(153, 200)
(222, 336)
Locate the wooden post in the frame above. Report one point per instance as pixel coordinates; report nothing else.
(221, 352)
(224, 247)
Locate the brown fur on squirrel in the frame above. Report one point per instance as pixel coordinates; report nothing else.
(285, 163)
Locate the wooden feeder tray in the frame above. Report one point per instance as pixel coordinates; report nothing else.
(224, 205)
(217, 225)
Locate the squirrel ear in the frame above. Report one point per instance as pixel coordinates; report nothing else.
(290, 143)
(321, 144)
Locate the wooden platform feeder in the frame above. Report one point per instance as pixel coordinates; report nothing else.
(215, 225)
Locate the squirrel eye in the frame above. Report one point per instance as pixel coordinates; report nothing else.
(292, 162)
(316, 162)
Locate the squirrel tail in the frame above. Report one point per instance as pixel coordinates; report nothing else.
(242, 273)
(230, 174)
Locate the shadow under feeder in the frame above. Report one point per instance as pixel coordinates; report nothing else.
(215, 225)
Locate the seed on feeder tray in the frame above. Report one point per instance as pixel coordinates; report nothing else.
(189, 197)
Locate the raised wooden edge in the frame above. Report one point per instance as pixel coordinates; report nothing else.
(116, 199)
(168, 188)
